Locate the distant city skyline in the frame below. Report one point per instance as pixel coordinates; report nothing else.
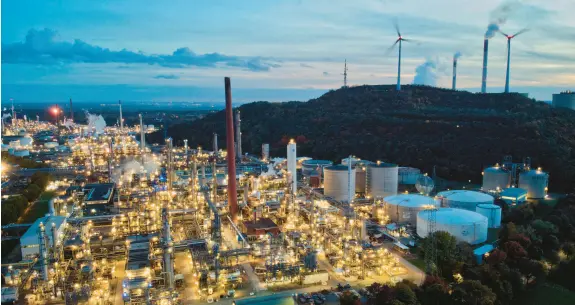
(273, 50)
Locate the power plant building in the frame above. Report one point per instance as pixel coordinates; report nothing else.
(29, 242)
(564, 99)
(464, 225)
(309, 166)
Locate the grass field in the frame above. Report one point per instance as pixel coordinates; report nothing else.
(38, 209)
(417, 262)
(548, 294)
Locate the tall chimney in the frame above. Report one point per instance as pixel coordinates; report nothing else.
(168, 249)
(121, 119)
(238, 136)
(215, 143)
(484, 77)
(453, 84)
(292, 164)
(170, 164)
(71, 111)
(142, 135)
(232, 191)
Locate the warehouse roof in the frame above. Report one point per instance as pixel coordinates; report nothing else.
(98, 191)
(32, 232)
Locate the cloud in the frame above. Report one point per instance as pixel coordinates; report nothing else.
(551, 56)
(42, 47)
(325, 73)
(305, 66)
(166, 76)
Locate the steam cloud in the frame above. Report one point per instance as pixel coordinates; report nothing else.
(456, 55)
(95, 122)
(499, 17)
(426, 73)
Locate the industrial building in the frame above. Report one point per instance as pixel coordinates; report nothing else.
(464, 225)
(29, 242)
(463, 199)
(565, 99)
(308, 166)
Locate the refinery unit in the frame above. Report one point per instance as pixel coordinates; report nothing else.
(135, 223)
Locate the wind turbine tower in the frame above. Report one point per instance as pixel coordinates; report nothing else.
(509, 37)
(399, 40)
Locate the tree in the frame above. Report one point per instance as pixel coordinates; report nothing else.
(445, 245)
(32, 192)
(41, 179)
(380, 294)
(514, 250)
(472, 292)
(533, 271)
(543, 227)
(405, 294)
(496, 257)
(349, 298)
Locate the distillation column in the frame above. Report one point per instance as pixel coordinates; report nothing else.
(168, 249)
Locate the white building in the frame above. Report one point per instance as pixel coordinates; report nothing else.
(564, 100)
(29, 242)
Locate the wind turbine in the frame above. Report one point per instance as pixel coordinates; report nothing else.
(509, 37)
(399, 40)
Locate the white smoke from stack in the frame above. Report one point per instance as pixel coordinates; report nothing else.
(133, 166)
(95, 122)
(499, 16)
(68, 123)
(456, 55)
(426, 73)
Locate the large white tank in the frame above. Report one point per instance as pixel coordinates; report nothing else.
(496, 178)
(309, 166)
(535, 182)
(51, 144)
(292, 164)
(464, 225)
(492, 212)
(381, 180)
(21, 153)
(404, 207)
(336, 182)
(26, 141)
(408, 175)
(463, 199)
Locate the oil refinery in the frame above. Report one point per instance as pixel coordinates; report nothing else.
(134, 223)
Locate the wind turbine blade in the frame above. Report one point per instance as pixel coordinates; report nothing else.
(396, 27)
(391, 48)
(520, 32)
(503, 34)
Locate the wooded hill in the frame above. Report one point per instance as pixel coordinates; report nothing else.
(457, 131)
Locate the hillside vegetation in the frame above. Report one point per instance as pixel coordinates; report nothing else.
(459, 132)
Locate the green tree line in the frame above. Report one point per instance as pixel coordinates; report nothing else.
(14, 207)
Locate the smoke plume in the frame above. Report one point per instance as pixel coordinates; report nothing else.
(95, 122)
(456, 55)
(499, 16)
(426, 73)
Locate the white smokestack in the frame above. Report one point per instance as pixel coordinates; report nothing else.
(292, 163)
(121, 119)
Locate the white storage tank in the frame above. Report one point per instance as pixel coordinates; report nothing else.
(381, 180)
(404, 207)
(26, 141)
(51, 144)
(21, 153)
(463, 199)
(464, 225)
(308, 166)
(496, 178)
(408, 175)
(535, 182)
(492, 212)
(336, 182)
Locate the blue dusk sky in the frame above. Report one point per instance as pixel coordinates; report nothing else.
(274, 50)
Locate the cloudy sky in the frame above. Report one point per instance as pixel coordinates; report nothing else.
(274, 49)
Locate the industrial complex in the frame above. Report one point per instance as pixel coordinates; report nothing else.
(133, 223)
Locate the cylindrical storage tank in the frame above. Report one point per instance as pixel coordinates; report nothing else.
(464, 225)
(308, 166)
(21, 153)
(381, 180)
(404, 207)
(50, 144)
(492, 212)
(462, 199)
(408, 175)
(26, 141)
(336, 182)
(535, 182)
(496, 178)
